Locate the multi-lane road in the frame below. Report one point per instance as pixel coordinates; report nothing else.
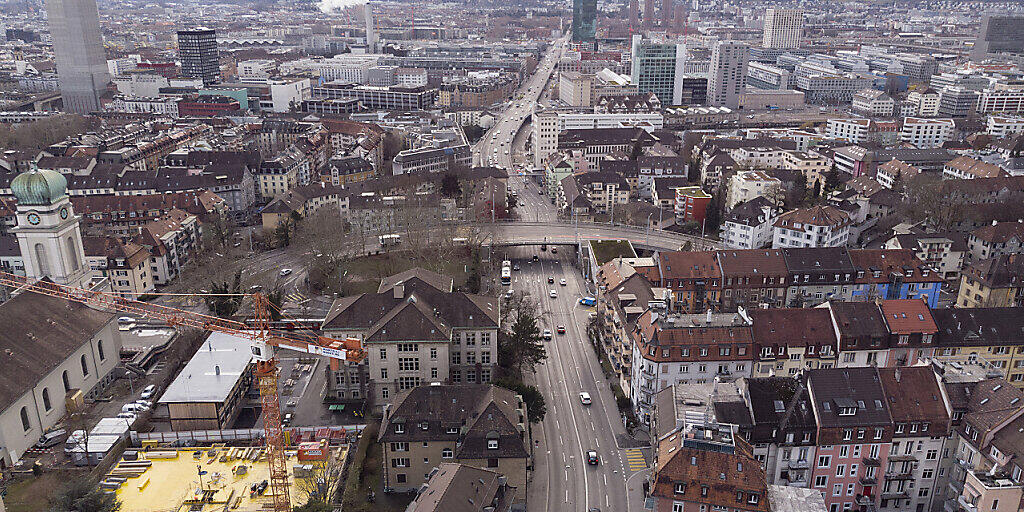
(496, 146)
(562, 480)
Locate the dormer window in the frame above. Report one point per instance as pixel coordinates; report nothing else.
(399, 428)
(452, 430)
(492, 444)
(680, 488)
(753, 498)
(424, 425)
(847, 411)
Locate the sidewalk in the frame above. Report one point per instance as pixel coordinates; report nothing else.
(537, 488)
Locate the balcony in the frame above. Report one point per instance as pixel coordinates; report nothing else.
(870, 461)
(895, 495)
(964, 464)
(799, 464)
(865, 480)
(900, 474)
(647, 373)
(965, 505)
(902, 458)
(865, 500)
(956, 486)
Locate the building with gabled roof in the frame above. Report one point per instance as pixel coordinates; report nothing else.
(479, 425)
(416, 331)
(453, 487)
(50, 349)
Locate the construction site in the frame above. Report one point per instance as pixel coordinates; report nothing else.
(216, 477)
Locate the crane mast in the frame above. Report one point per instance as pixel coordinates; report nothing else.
(263, 342)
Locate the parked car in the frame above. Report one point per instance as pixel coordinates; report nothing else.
(285, 271)
(52, 438)
(148, 392)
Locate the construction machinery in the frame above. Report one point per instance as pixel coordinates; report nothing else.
(264, 339)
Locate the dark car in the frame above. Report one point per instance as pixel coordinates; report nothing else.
(551, 280)
(592, 458)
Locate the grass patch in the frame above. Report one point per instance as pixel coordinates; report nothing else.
(363, 274)
(607, 250)
(32, 494)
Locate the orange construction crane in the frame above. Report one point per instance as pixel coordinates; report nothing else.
(263, 343)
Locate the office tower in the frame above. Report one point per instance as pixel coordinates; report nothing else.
(727, 76)
(584, 20)
(783, 28)
(78, 50)
(649, 13)
(197, 50)
(656, 66)
(371, 29)
(634, 15)
(999, 34)
(666, 14)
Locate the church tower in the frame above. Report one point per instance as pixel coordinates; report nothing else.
(49, 233)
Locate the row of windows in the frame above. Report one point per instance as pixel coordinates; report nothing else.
(26, 425)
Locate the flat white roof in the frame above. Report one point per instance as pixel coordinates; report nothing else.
(212, 372)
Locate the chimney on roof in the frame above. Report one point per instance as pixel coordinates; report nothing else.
(897, 375)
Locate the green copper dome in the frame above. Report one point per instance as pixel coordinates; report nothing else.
(39, 187)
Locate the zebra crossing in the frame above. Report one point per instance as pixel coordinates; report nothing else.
(296, 297)
(635, 460)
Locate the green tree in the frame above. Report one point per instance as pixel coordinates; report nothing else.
(219, 227)
(832, 182)
(713, 214)
(225, 297)
(276, 300)
(80, 495)
(521, 346)
(536, 407)
(817, 190)
(283, 232)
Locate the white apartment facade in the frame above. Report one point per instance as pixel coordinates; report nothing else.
(1003, 126)
(783, 28)
(853, 130)
(818, 226)
(747, 185)
(548, 124)
(926, 133)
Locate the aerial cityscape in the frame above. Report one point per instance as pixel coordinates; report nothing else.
(530, 256)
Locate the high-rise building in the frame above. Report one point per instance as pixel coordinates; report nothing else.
(656, 66)
(666, 14)
(727, 76)
(584, 20)
(649, 13)
(78, 50)
(371, 29)
(783, 28)
(197, 50)
(999, 34)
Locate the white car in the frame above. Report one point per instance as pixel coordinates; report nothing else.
(148, 392)
(584, 398)
(553, 294)
(562, 282)
(127, 416)
(285, 272)
(547, 334)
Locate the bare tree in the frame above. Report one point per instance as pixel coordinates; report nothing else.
(322, 482)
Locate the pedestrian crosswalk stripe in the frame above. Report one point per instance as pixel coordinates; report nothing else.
(635, 459)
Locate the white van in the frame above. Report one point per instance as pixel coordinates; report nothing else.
(52, 438)
(133, 408)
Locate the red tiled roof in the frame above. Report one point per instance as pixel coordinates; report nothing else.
(908, 316)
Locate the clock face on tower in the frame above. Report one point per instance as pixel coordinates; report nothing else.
(33, 218)
(64, 213)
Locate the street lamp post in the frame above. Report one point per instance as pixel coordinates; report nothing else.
(648, 238)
